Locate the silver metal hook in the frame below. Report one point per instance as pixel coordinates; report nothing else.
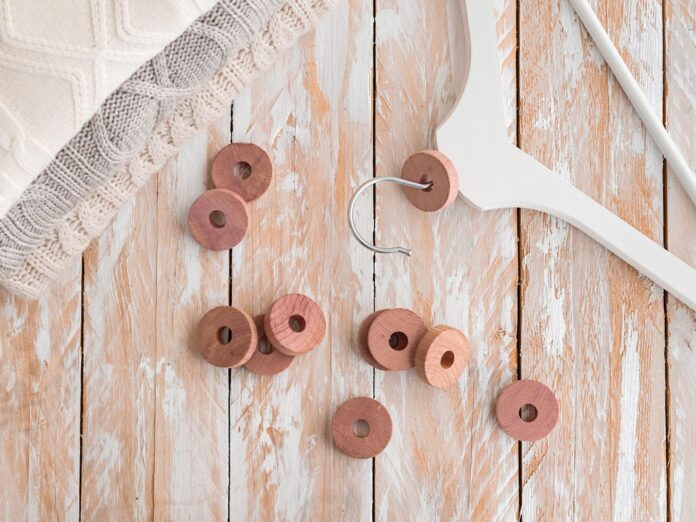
(362, 188)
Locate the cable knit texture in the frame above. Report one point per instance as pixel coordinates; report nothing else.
(91, 215)
(125, 121)
(58, 63)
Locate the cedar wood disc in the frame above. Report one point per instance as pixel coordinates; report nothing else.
(241, 345)
(522, 393)
(298, 310)
(259, 179)
(431, 166)
(362, 341)
(441, 356)
(400, 325)
(378, 421)
(267, 363)
(215, 236)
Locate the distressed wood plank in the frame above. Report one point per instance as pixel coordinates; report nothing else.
(313, 114)
(592, 328)
(680, 70)
(119, 364)
(40, 359)
(191, 412)
(447, 460)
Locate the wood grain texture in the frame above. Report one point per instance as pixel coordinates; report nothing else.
(313, 115)
(40, 357)
(680, 73)
(447, 460)
(592, 328)
(119, 332)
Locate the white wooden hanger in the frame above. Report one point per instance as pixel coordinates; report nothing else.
(495, 174)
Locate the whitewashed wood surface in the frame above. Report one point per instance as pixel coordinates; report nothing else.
(108, 413)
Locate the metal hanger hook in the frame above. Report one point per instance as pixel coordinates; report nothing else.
(351, 220)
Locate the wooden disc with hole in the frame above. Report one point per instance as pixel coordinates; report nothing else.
(362, 341)
(226, 348)
(361, 445)
(271, 363)
(218, 219)
(441, 356)
(393, 337)
(243, 168)
(508, 410)
(295, 324)
(431, 166)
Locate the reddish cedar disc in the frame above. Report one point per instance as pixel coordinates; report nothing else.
(441, 356)
(226, 337)
(218, 219)
(243, 168)
(361, 428)
(362, 341)
(540, 410)
(431, 166)
(393, 338)
(270, 361)
(295, 324)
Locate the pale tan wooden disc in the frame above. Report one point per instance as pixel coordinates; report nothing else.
(295, 324)
(271, 363)
(400, 327)
(221, 351)
(521, 394)
(441, 356)
(355, 414)
(243, 168)
(431, 166)
(362, 341)
(218, 219)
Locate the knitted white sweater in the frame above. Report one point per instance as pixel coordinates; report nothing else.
(92, 215)
(58, 63)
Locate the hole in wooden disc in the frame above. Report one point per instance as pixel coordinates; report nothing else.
(265, 347)
(424, 181)
(361, 428)
(297, 323)
(528, 413)
(218, 218)
(224, 335)
(398, 341)
(447, 360)
(242, 170)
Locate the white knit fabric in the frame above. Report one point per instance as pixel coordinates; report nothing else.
(92, 216)
(59, 60)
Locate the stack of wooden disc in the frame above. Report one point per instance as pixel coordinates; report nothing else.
(266, 344)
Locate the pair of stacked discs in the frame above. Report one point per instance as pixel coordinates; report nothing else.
(229, 337)
(398, 339)
(219, 218)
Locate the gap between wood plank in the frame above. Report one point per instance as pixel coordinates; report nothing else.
(518, 214)
(374, 221)
(665, 244)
